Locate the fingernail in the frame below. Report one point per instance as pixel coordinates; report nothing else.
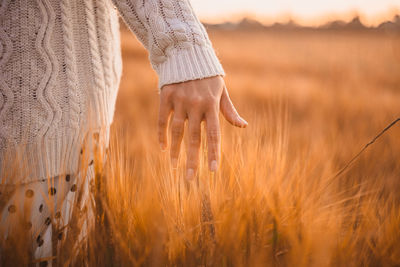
(214, 166)
(243, 121)
(190, 174)
(174, 163)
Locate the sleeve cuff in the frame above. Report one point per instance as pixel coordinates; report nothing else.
(192, 63)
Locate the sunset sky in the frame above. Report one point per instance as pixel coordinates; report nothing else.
(308, 12)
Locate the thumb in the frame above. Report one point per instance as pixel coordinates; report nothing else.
(229, 111)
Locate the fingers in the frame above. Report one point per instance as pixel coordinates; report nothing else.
(198, 99)
(213, 140)
(229, 111)
(163, 118)
(178, 124)
(194, 129)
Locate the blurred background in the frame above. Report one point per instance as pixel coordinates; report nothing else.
(305, 12)
(317, 81)
(334, 63)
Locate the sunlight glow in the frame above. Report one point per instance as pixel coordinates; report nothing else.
(306, 12)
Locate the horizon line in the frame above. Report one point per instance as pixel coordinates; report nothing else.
(313, 21)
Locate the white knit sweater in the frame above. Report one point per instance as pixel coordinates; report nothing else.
(60, 67)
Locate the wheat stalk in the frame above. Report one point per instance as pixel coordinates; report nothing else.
(345, 167)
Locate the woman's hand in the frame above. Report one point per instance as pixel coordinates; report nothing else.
(195, 100)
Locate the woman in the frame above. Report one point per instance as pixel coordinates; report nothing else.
(60, 67)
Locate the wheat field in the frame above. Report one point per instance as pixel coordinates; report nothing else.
(313, 100)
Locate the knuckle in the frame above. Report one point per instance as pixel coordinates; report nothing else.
(168, 89)
(178, 96)
(213, 135)
(176, 134)
(196, 101)
(213, 150)
(194, 145)
(212, 153)
(211, 101)
(194, 139)
(176, 131)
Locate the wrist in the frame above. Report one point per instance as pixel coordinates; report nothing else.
(192, 63)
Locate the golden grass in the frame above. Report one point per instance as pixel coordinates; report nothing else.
(312, 100)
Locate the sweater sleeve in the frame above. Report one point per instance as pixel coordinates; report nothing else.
(178, 44)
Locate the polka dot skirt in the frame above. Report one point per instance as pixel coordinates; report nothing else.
(45, 208)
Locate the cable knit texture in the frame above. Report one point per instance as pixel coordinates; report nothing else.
(60, 68)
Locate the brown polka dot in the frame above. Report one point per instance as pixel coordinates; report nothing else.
(81, 150)
(29, 193)
(91, 162)
(60, 235)
(39, 241)
(68, 177)
(58, 215)
(73, 188)
(41, 208)
(52, 191)
(12, 209)
(48, 221)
